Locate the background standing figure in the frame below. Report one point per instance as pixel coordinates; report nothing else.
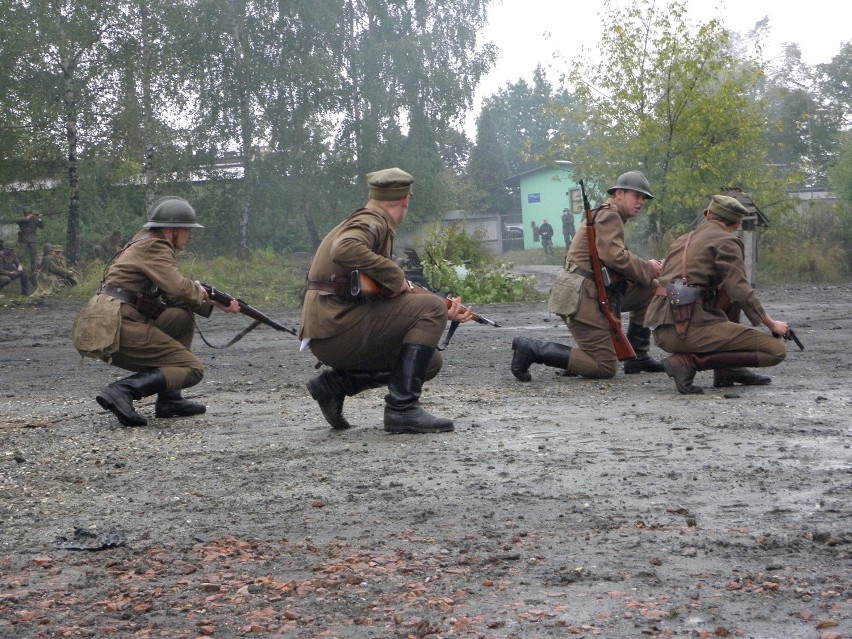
(546, 233)
(574, 297)
(370, 342)
(53, 273)
(108, 247)
(696, 311)
(11, 269)
(568, 229)
(27, 240)
(141, 318)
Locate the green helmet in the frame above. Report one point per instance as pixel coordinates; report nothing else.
(632, 181)
(173, 212)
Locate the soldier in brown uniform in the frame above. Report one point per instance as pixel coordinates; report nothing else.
(574, 296)
(375, 341)
(703, 287)
(12, 269)
(149, 306)
(27, 240)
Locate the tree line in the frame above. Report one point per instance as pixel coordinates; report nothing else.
(108, 104)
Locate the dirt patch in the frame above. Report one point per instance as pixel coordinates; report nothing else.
(559, 508)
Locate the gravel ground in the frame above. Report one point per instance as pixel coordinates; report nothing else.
(559, 508)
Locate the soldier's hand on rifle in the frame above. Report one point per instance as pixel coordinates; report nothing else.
(458, 313)
(233, 307)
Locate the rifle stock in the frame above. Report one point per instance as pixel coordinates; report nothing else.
(623, 349)
(368, 287)
(246, 309)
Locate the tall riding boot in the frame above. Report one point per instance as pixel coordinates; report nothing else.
(725, 377)
(532, 351)
(118, 397)
(403, 413)
(640, 339)
(728, 368)
(681, 367)
(332, 386)
(172, 404)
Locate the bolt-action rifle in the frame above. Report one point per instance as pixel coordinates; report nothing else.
(362, 285)
(623, 349)
(223, 298)
(368, 287)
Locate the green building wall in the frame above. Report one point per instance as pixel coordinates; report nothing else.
(545, 193)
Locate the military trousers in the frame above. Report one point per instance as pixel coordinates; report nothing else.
(594, 355)
(162, 343)
(723, 337)
(373, 343)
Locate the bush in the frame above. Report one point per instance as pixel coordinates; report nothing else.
(460, 266)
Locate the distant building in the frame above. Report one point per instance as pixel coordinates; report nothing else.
(546, 191)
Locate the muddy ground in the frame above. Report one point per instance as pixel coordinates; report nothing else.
(559, 508)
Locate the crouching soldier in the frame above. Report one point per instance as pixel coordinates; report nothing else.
(696, 310)
(141, 318)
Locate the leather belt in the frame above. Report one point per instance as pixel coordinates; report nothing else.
(117, 293)
(327, 287)
(579, 270)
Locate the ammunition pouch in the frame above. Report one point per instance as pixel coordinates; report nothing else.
(682, 300)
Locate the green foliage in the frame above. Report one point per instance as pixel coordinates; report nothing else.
(486, 171)
(840, 176)
(455, 245)
(265, 280)
(670, 99)
(452, 252)
(528, 118)
(811, 244)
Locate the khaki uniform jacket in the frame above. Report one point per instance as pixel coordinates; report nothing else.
(27, 229)
(362, 241)
(570, 289)
(715, 260)
(150, 261)
(53, 275)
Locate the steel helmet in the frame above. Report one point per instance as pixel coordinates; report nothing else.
(632, 181)
(173, 212)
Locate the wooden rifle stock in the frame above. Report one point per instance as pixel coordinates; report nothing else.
(369, 287)
(623, 349)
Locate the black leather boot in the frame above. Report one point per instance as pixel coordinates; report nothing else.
(728, 369)
(681, 367)
(532, 351)
(172, 404)
(725, 377)
(118, 397)
(640, 339)
(332, 386)
(403, 413)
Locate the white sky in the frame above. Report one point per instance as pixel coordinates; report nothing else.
(532, 31)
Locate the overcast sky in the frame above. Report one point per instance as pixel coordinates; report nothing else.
(532, 31)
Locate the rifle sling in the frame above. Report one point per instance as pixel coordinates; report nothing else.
(233, 341)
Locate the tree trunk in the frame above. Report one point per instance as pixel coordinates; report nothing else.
(70, 102)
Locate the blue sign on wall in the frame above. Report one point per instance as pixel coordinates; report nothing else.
(533, 198)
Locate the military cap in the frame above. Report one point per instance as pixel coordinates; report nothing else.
(389, 184)
(58, 247)
(47, 248)
(727, 208)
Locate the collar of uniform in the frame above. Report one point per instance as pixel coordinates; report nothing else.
(376, 207)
